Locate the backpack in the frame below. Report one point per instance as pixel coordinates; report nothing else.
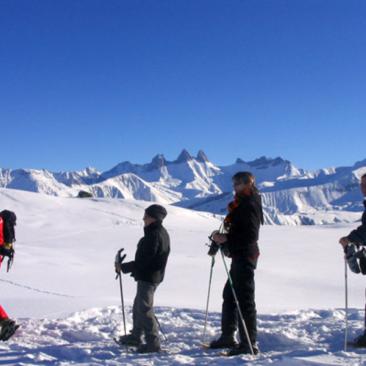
(8, 220)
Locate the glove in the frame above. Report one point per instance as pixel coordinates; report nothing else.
(214, 248)
(9, 246)
(117, 267)
(351, 257)
(7, 252)
(128, 267)
(118, 261)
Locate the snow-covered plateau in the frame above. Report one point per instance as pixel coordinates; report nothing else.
(63, 292)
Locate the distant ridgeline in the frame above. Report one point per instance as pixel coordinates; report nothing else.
(290, 195)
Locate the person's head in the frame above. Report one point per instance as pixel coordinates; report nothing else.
(9, 217)
(244, 183)
(363, 185)
(154, 213)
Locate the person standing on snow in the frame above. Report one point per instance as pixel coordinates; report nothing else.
(357, 237)
(240, 243)
(148, 270)
(7, 238)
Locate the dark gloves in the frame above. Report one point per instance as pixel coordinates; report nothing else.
(5, 252)
(356, 258)
(128, 267)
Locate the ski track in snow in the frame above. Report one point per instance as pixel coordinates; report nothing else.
(300, 338)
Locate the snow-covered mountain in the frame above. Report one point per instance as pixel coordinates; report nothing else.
(290, 195)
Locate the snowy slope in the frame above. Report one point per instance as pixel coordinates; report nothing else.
(64, 264)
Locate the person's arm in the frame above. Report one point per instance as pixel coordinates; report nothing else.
(358, 236)
(128, 267)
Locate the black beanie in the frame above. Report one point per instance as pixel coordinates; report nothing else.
(156, 212)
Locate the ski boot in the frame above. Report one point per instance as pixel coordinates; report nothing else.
(243, 349)
(223, 342)
(129, 340)
(8, 328)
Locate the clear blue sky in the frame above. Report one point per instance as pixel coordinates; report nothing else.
(93, 83)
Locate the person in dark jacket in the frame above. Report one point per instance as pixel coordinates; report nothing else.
(358, 237)
(241, 244)
(148, 269)
(7, 238)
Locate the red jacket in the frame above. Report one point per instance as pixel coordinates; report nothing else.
(1, 231)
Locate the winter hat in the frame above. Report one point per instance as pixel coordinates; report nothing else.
(156, 212)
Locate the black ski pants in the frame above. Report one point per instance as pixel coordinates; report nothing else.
(144, 321)
(242, 274)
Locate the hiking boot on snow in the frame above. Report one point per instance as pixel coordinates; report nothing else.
(223, 342)
(360, 341)
(130, 340)
(8, 328)
(243, 349)
(149, 348)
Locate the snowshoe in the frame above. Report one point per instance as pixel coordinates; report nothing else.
(241, 350)
(149, 348)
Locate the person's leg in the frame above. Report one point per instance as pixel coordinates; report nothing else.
(135, 336)
(229, 316)
(145, 315)
(3, 314)
(243, 279)
(137, 330)
(229, 320)
(7, 326)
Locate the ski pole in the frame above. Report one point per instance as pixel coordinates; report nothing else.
(237, 305)
(118, 261)
(208, 298)
(161, 330)
(123, 304)
(346, 305)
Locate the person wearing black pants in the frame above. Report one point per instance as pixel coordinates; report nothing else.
(241, 244)
(148, 269)
(358, 237)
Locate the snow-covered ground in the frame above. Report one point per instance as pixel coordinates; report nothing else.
(63, 291)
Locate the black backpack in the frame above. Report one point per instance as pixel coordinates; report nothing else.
(10, 220)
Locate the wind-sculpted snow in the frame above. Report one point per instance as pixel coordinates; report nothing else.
(311, 337)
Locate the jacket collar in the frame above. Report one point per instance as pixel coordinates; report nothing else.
(153, 226)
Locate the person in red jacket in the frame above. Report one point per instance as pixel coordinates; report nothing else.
(7, 238)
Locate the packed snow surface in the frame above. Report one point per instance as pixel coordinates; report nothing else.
(63, 291)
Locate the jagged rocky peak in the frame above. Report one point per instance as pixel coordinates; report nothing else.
(240, 161)
(158, 161)
(202, 157)
(183, 156)
(264, 162)
(90, 171)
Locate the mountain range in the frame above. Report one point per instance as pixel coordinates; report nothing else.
(290, 195)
